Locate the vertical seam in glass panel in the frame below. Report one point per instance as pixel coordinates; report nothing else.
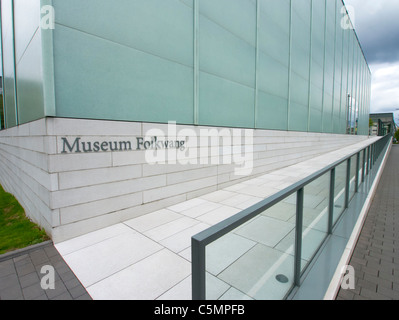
(2, 65)
(360, 93)
(342, 76)
(368, 160)
(310, 63)
(289, 70)
(347, 94)
(362, 100)
(354, 86)
(15, 66)
(347, 182)
(363, 163)
(366, 111)
(49, 90)
(324, 67)
(257, 64)
(335, 58)
(196, 62)
(361, 97)
(352, 89)
(357, 91)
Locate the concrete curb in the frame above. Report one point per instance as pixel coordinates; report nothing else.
(27, 250)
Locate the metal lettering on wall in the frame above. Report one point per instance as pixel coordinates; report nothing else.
(154, 143)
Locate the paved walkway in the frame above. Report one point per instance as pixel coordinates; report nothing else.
(376, 256)
(20, 276)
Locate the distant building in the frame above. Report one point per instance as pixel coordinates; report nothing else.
(384, 123)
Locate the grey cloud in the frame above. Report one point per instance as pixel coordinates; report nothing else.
(377, 27)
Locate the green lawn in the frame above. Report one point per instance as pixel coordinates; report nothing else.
(16, 230)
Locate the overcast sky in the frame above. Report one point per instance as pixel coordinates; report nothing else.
(377, 26)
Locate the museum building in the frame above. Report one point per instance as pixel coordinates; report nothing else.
(116, 109)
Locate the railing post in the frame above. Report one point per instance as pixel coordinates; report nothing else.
(363, 163)
(198, 280)
(372, 155)
(298, 236)
(357, 172)
(331, 201)
(368, 160)
(347, 182)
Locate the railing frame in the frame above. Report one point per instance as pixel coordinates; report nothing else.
(201, 240)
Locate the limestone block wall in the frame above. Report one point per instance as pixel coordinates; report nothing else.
(75, 176)
(24, 170)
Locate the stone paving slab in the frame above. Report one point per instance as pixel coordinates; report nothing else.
(376, 256)
(21, 277)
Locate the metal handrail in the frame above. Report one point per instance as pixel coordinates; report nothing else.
(204, 238)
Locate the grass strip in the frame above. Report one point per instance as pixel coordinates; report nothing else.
(16, 230)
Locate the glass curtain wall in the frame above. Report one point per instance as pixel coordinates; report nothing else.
(270, 64)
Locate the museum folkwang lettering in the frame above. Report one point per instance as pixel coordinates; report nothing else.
(154, 143)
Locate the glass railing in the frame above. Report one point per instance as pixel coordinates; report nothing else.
(262, 252)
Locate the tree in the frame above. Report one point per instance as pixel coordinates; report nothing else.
(371, 123)
(397, 135)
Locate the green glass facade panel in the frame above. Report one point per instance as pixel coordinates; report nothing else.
(157, 27)
(338, 63)
(28, 48)
(143, 74)
(222, 102)
(299, 88)
(30, 84)
(225, 55)
(273, 64)
(236, 16)
(318, 31)
(134, 85)
(9, 90)
(273, 76)
(298, 116)
(227, 64)
(272, 111)
(274, 36)
(26, 13)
